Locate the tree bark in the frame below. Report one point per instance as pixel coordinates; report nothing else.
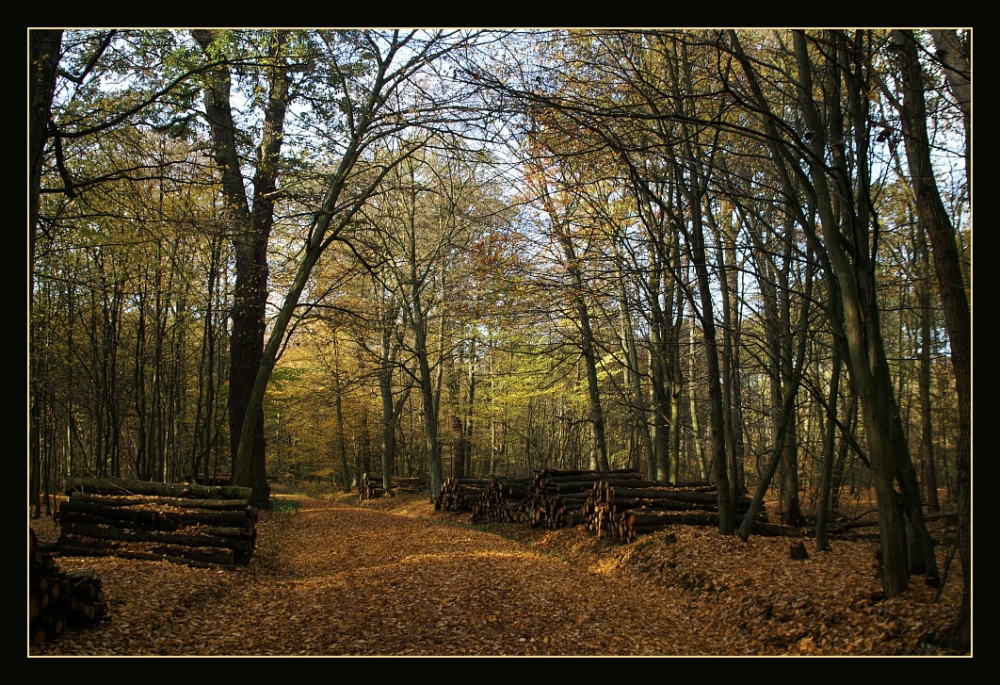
(44, 48)
(927, 464)
(958, 321)
(720, 463)
(824, 497)
(340, 438)
(856, 324)
(251, 230)
(599, 449)
(955, 54)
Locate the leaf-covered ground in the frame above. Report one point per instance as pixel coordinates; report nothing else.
(394, 577)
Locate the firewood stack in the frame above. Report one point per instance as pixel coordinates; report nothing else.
(58, 600)
(559, 497)
(371, 485)
(197, 525)
(622, 509)
(461, 494)
(614, 504)
(551, 497)
(504, 500)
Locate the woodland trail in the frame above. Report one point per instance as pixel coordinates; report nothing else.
(366, 582)
(394, 577)
(335, 579)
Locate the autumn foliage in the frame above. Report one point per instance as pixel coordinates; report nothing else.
(393, 577)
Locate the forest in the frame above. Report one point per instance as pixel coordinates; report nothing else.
(739, 256)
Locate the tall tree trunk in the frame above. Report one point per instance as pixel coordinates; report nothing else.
(676, 376)
(599, 448)
(340, 438)
(457, 426)
(391, 409)
(725, 243)
(924, 377)
(696, 437)
(418, 324)
(934, 219)
(720, 464)
(251, 230)
(388, 422)
(139, 381)
(472, 381)
(634, 384)
(824, 499)
(466, 394)
(44, 46)
(660, 380)
(790, 462)
(844, 452)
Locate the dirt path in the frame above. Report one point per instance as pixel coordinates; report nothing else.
(337, 579)
(367, 582)
(334, 579)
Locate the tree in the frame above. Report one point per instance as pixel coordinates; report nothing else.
(252, 220)
(843, 202)
(119, 327)
(70, 110)
(555, 194)
(43, 57)
(420, 231)
(376, 105)
(938, 226)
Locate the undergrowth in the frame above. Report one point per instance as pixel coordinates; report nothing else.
(285, 505)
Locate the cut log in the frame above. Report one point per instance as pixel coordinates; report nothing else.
(53, 622)
(82, 574)
(665, 504)
(121, 486)
(706, 498)
(128, 501)
(158, 518)
(128, 535)
(217, 558)
(214, 524)
(54, 597)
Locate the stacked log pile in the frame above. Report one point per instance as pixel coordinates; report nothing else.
(559, 498)
(504, 500)
(371, 485)
(58, 600)
(613, 504)
(551, 497)
(197, 525)
(461, 494)
(621, 510)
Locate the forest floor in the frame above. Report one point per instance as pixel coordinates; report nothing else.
(335, 576)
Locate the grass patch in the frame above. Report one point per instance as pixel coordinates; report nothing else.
(285, 505)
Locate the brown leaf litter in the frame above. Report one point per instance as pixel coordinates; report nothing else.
(395, 577)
